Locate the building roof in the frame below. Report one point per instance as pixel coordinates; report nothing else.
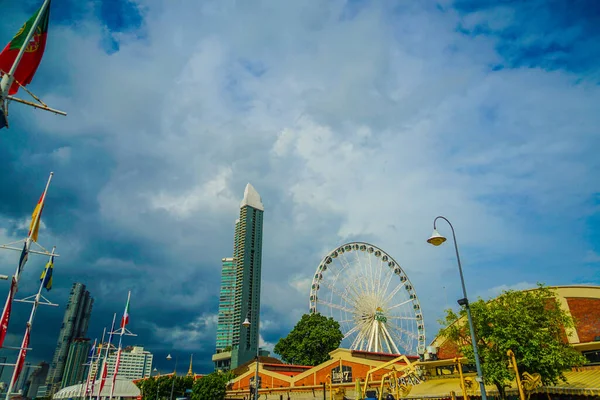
(585, 382)
(262, 359)
(282, 365)
(379, 355)
(123, 388)
(252, 198)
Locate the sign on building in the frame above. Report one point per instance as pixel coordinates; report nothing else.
(406, 380)
(342, 375)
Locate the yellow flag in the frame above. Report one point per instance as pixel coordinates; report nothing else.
(34, 227)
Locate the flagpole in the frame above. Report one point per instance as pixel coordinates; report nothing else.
(114, 378)
(104, 363)
(97, 364)
(8, 79)
(14, 287)
(124, 322)
(82, 393)
(25, 343)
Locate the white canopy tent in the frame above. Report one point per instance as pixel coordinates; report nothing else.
(124, 389)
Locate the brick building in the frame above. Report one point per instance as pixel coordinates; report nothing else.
(298, 382)
(582, 303)
(436, 377)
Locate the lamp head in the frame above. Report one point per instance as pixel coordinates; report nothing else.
(246, 323)
(436, 239)
(169, 357)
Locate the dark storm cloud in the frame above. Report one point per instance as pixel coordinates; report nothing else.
(547, 34)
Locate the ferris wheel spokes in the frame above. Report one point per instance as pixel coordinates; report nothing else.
(357, 289)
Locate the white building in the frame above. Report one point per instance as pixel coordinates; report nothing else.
(136, 363)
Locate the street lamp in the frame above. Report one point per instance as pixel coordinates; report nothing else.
(174, 375)
(246, 324)
(436, 239)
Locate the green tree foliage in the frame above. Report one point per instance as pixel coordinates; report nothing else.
(530, 323)
(157, 388)
(311, 340)
(211, 386)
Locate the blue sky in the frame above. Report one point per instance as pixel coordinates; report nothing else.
(353, 120)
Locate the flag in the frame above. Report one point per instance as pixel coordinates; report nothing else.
(92, 351)
(34, 226)
(22, 354)
(125, 319)
(34, 50)
(104, 366)
(46, 278)
(114, 378)
(103, 379)
(6, 312)
(23, 258)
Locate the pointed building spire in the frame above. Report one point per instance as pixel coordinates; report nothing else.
(190, 372)
(252, 198)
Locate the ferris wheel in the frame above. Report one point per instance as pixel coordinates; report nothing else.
(369, 294)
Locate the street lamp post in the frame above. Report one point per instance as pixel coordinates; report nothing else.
(247, 324)
(436, 239)
(174, 375)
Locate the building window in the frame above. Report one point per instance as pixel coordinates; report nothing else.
(593, 357)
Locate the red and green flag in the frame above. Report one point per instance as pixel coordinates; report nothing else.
(21, 358)
(34, 50)
(125, 319)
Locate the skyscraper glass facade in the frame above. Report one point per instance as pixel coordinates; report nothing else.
(75, 367)
(226, 295)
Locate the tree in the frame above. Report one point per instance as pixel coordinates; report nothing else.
(530, 323)
(212, 386)
(161, 386)
(311, 340)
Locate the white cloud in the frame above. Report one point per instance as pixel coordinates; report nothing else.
(62, 154)
(212, 195)
(497, 290)
(264, 345)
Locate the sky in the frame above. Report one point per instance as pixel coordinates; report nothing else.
(354, 120)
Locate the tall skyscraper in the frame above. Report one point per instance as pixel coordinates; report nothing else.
(75, 367)
(75, 325)
(226, 300)
(244, 271)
